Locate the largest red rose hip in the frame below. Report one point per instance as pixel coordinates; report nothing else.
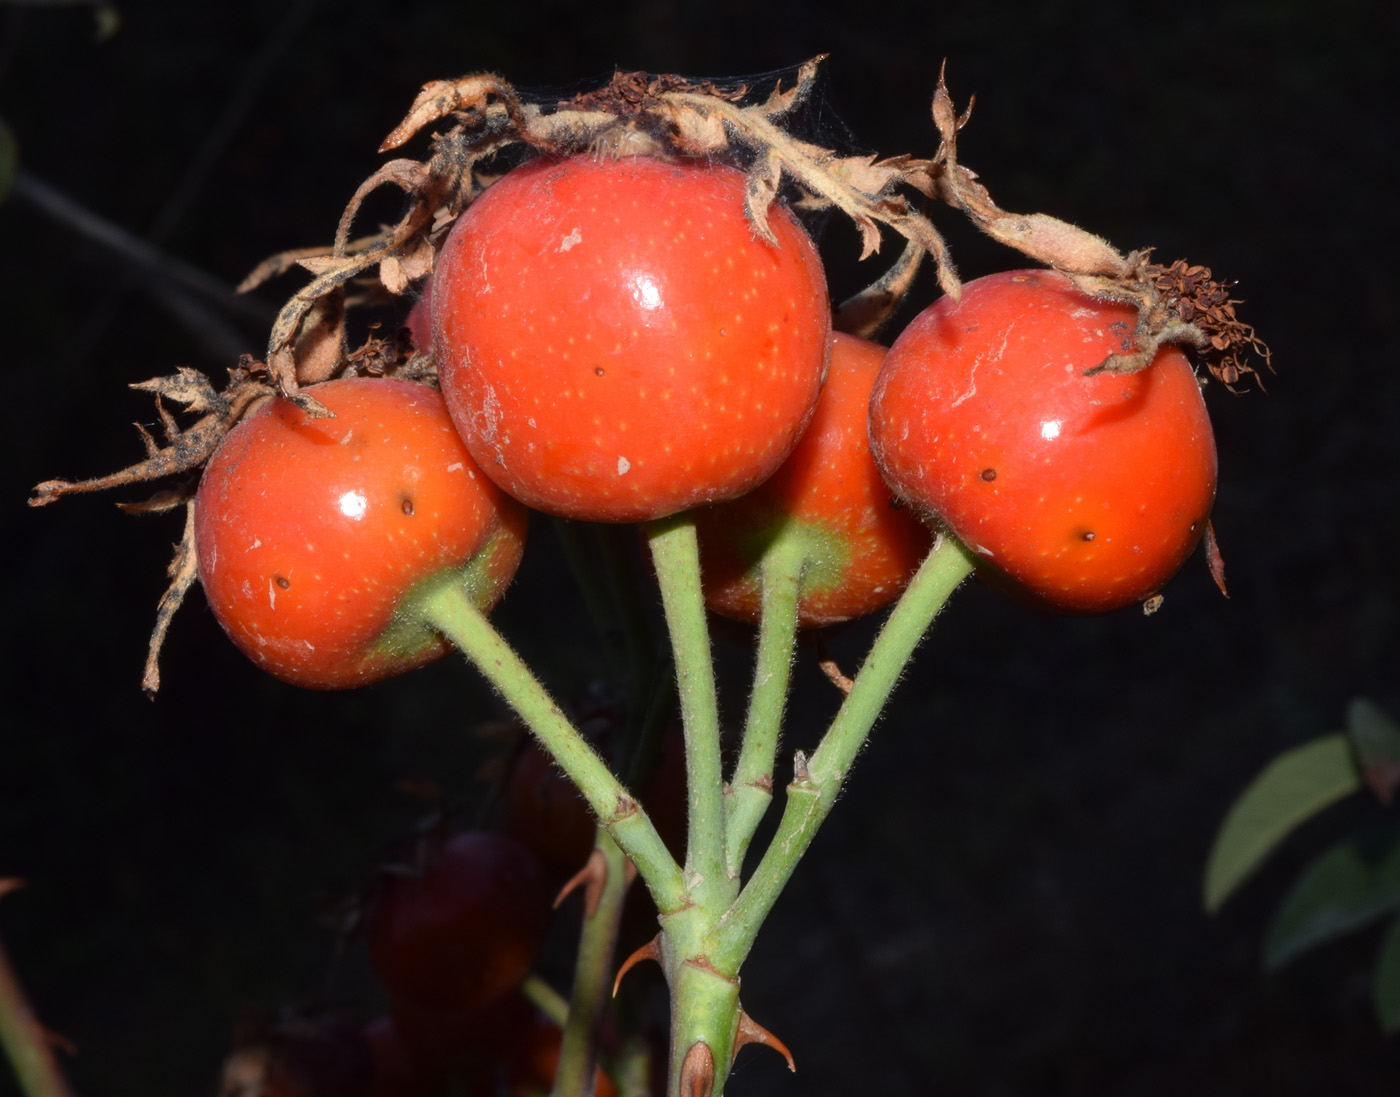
(1087, 493)
(616, 343)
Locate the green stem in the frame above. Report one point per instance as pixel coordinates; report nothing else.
(545, 999)
(677, 558)
(449, 609)
(817, 782)
(25, 1041)
(592, 974)
(751, 788)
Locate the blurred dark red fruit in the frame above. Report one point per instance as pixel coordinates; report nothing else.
(465, 930)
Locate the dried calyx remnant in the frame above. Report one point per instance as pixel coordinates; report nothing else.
(637, 113)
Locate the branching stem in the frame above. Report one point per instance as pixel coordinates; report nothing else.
(451, 612)
(817, 784)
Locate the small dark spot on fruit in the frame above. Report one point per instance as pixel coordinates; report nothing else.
(283, 582)
(1087, 535)
(407, 505)
(598, 370)
(989, 475)
(1120, 327)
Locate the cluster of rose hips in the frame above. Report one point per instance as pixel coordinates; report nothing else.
(626, 328)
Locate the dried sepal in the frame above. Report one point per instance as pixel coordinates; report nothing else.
(869, 310)
(759, 192)
(781, 102)
(158, 503)
(828, 179)
(320, 346)
(183, 450)
(1180, 304)
(474, 96)
(409, 175)
(183, 571)
(1058, 244)
(275, 265)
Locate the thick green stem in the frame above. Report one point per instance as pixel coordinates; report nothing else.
(447, 607)
(704, 1007)
(677, 559)
(751, 788)
(817, 781)
(592, 972)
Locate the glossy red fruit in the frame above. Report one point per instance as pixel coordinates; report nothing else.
(312, 532)
(862, 548)
(465, 931)
(1085, 493)
(616, 343)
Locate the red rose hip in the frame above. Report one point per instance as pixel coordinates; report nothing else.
(311, 533)
(861, 547)
(616, 343)
(1087, 493)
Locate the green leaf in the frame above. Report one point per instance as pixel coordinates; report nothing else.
(1353, 883)
(1291, 789)
(1385, 987)
(1376, 740)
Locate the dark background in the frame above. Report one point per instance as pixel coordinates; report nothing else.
(1007, 899)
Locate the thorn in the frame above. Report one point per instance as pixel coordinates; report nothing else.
(592, 877)
(751, 1032)
(697, 1071)
(649, 951)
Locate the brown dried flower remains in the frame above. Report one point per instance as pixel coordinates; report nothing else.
(639, 114)
(1202, 301)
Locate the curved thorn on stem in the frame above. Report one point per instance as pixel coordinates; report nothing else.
(751, 1032)
(649, 951)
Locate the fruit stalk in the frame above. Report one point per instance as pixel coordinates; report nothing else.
(818, 780)
(449, 610)
(751, 788)
(677, 559)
